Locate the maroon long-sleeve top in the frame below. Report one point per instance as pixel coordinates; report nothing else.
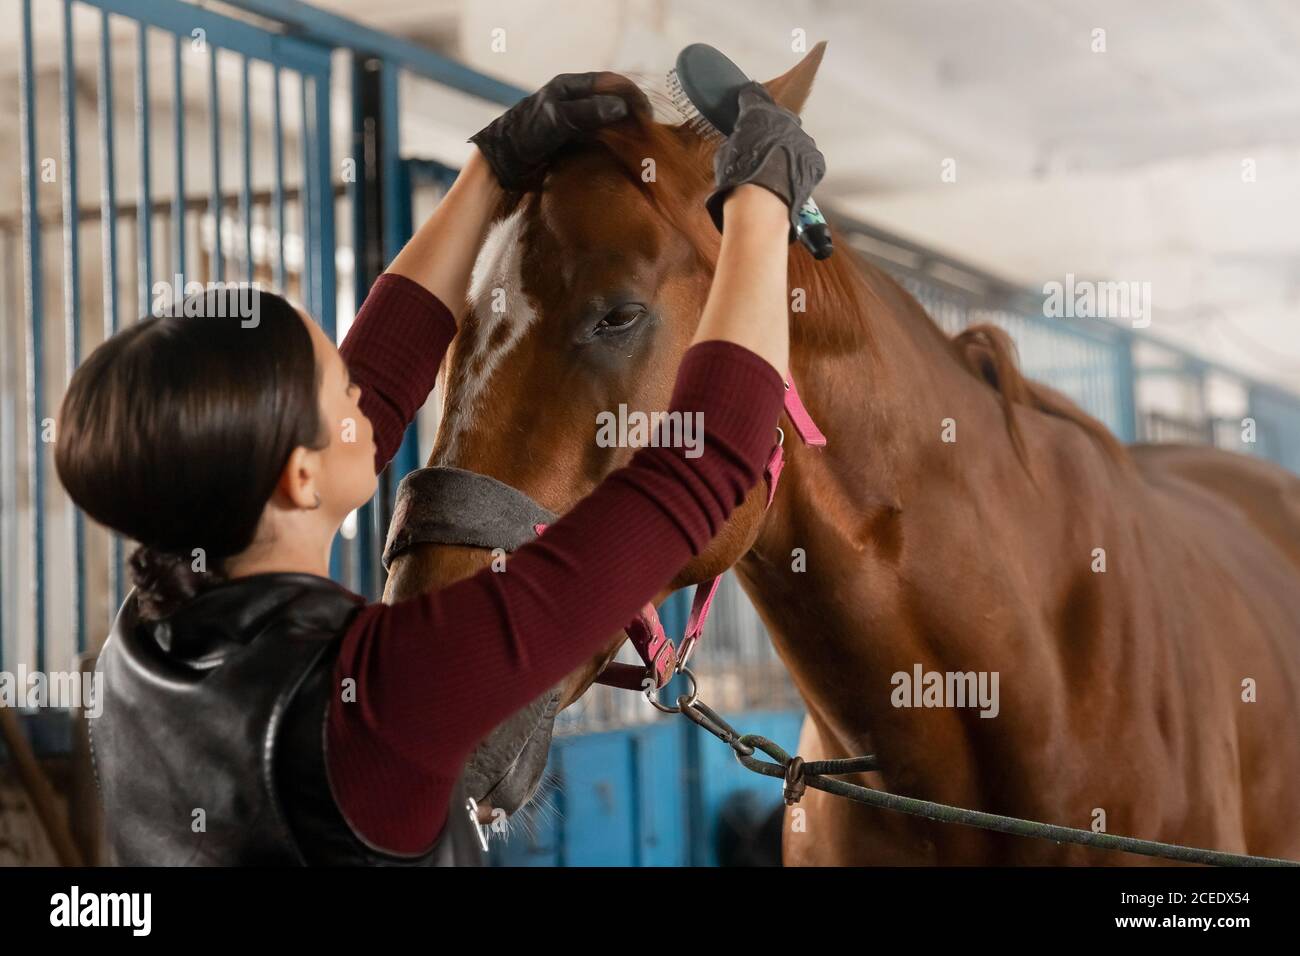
(436, 673)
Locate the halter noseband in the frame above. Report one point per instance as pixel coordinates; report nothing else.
(442, 505)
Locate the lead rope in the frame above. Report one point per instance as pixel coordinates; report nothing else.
(799, 774)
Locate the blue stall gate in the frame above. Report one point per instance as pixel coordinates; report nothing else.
(95, 243)
(221, 165)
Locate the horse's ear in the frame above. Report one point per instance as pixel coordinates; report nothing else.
(791, 88)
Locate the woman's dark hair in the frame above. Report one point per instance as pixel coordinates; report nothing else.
(175, 431)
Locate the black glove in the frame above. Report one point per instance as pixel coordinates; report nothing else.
(518, 143)
(767, 148)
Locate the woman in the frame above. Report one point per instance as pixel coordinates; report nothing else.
(255, 711)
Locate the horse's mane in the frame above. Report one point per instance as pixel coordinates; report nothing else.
(685, 159)
(990, 354)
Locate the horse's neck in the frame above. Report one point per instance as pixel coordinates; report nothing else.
(888, 389)
(830, 570)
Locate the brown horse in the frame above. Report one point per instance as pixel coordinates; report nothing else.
(1139, 607)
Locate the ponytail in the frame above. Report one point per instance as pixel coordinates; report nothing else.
(165, 580)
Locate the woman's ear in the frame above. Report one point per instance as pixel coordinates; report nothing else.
(298, 480)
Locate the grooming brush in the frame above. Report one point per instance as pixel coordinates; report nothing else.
(705, 87)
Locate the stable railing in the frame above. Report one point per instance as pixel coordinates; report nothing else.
(266, 208)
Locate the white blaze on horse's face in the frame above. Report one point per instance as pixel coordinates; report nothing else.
(496, 294)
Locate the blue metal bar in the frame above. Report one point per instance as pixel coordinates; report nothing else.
(396, 217)
(277, 189)
(316, 128)
(178, 199)
(108, 227)
(72, 291)
(246, 190)
(390, 162)
(217, 270)
(368, 568)
(329, 28)
(185, 20)
(144, 199)
(306, 198)
(430, 170)
(323, 238)
(357, 189)
(384, 181)
(402, 228)
(398, 226)
(34, 303)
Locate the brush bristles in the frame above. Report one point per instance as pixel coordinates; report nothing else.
(693, 119)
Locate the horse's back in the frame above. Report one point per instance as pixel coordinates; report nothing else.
(1266, 495)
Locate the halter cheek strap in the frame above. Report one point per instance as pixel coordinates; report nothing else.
(808, 431)
(663, 661)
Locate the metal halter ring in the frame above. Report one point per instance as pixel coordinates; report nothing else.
(683, 701)
(480, 831)
(780, 436)
(684, 651)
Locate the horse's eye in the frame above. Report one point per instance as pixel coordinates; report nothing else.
(621, 318)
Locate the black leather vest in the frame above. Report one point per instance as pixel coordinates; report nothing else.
(210, 749)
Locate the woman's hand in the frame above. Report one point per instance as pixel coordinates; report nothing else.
(767, 148)
(518, 143)
(764, 172)
(512, 154)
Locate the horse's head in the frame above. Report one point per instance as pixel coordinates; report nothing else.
(585, 297)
